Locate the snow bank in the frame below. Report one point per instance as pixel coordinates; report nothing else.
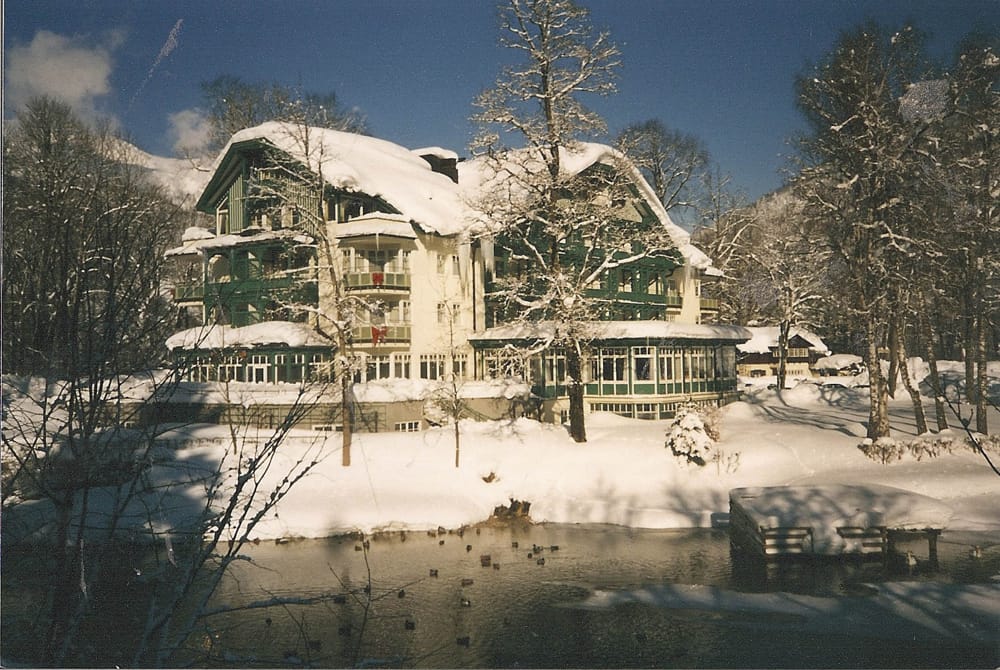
(623, 475)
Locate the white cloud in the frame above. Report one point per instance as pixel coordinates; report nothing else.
(76, 70)
(190, 131)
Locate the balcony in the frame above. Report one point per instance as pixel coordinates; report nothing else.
(674, 300)
(391, 333)
(709, 304)
(255, 285)
(189, 292)
(378, 281)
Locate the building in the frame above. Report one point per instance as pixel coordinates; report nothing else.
(759, 356)
(332, 249)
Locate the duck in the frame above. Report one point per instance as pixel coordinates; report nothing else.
(976, 552)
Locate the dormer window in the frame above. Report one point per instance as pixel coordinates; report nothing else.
(222, 217)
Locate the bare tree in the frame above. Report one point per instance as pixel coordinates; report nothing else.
(857, 173)
(95, 501)
(234, 104)
(675, 164)
(786, 266)
(560, 231)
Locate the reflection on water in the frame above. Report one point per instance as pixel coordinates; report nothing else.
(511, 597)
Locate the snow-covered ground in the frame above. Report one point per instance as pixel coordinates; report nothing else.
(623, 474)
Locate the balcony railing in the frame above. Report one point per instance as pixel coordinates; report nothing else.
(710, 304)
(391, 281)
(189, 292)
(255, 285)
(387, 334)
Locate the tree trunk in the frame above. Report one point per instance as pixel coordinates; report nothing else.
(346, 420)
(894, 362)
(878, 412)
(904, 373)
(783, 329)
(927, 326)
(574, 368)
(458, 437)
(982, 424)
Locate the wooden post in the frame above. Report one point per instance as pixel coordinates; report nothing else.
(932, 552)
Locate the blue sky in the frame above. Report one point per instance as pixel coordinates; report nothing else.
(722, 70)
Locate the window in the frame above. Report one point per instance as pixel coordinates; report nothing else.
(280, 368)
(642, 364)
(297, 373)
(654, 284)
(401, 366)
(625, 281)
(377, 367)
(432, 366)
(503, 364)
(555, 368)
(440, 258)
(257, 369)
(407, 427)
(320, 367)
(698, 364)
(446, 314)
(614, 364)
(231, 369)
(798, 352)
(222, 217)
(351, 208)
(669, 364)
(459, 366)
(398, 312)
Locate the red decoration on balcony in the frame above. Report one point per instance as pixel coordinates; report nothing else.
(378, 278)
(379, 333)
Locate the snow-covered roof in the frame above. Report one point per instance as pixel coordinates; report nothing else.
(619, 330)
(259, 334)
(376, 224)
(436, 151)
(475, 176)
(358, 163)
(431, 200)
(763, 338)
(837, 362)
(197, 244)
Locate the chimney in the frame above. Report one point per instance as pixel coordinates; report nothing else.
(441, 161)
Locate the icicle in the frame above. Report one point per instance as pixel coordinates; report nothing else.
(486, 244)
(464, 261)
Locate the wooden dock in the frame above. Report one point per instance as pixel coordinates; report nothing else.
(831, 520)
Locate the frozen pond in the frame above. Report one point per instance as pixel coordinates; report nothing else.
(574, 596)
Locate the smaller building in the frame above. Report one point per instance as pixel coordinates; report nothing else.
(839, 365)
(758, 357)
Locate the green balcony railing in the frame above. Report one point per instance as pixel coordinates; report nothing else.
(711, 304)
(393, 281)
(189, 292)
